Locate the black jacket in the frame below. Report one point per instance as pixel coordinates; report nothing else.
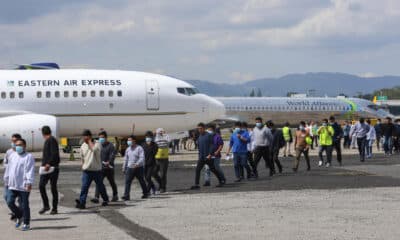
(150, 152)
(51, 153)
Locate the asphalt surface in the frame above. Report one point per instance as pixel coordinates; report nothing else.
(138, 219)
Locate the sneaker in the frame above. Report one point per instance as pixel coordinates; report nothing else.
(290, 155)
(18, 222)
(207, 184)
(114, 199)
(195, 187)
(79, 205)
(280, 170)
(25, 227)
(12, 217)
(44, 210)
(95, 200)
(163, 191)
(308, 168)
(327, 165)
(53, 212)
(126, 198)
(320, 164)
(145, 196)
(104, 204)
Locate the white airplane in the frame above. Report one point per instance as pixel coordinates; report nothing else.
(120, 102)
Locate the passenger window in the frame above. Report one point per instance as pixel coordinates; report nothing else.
(39, 94)
(3, 95)
(110, 93)
(48, 94)
(181, 90)
(57, 94)
(12, 94)
(93, 93)
(75, 93)
(119, 93)
(21, 94)
(101, 93)
(84, 94)
(66, 94)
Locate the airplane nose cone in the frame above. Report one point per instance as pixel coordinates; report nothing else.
(216, 109)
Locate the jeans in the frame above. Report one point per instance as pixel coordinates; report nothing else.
(361, 143)
(299, 151)
(217, 165)
(388, 145)
(368, 147)
(275, 159)
(109, 174)
(200, 165)
(162, 167)
(263, 152)
(151, 172)
(338, 148)
(44, 179)
(22, 211)
(87, 178)
(328, 150)
(239, 163)
(130, 174)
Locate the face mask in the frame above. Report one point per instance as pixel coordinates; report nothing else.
(259, 125)
(237, 130)
(210, 132)
(129, 143)
(102, 140)
(19, 149)
(148, 139)
(13, 145)
(324, 124)
(302, 128)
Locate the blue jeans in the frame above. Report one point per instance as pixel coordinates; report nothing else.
(22, 211)
(362, 142)
(328, 150)
(5, 193)
(87, 178)
(207, 174)
(387, 144)
(239, 163)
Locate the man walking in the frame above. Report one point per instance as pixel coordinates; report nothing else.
(325, 133)
(162, 157)
(150, 169)
(278, 142)
(302, 144)
(361, 130)
(337, 136)
(388, 131)
(206, 152)
(218, 144)
(91, 169)
(107, 160)
(371, 137)
(50, 163)
(133, 167)
(262, 141)
(238, 145)
(19, 178)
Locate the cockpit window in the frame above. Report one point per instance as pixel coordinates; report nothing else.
(188, 91)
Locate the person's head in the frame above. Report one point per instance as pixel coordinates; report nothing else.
(311, 123)
(244, 125)
(87, 135)
(388, 120)
(362, 120)
(46, 132)
(103, 137)
(287, 124)
(211, 128)
(269, 124)
(160, 131)
(332, 119)
(379, 120)
(325, 122)
(302, 126)
(259, 122)
(131, 141)
(369, 121)
(149, 137)
(237, 126)
(20, 146)
(201, 127)
(14, 138)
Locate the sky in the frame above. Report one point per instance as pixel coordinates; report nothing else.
(224, 41)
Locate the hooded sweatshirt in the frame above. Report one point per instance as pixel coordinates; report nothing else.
(91, 158)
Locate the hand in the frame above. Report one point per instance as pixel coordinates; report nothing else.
(47, 167)
(135, 166)
(209, 157)
(28, 187)
(239, 136)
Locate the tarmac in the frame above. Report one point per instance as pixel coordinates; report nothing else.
(355, 201)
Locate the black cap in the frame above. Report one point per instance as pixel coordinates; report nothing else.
(86, 133)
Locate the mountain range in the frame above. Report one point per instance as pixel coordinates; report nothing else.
(319, 84)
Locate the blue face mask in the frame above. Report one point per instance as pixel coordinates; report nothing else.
(19, 149)
(237, 130)
(13, 145)
(129, 143)
(102, 140)
(259, 125)
(149, 139)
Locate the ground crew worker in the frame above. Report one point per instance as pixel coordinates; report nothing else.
(162, 157)
(287, 135)
(325, 133)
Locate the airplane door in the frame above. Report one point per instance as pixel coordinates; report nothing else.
(152, 95)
